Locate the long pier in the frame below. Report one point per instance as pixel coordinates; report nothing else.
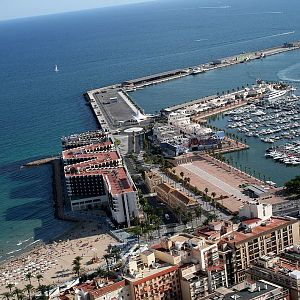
(115, 110)
(42, 161)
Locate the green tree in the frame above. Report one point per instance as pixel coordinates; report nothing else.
(6, 295)
(42, 289)
(107, 258)
(39, 277)
(198, 212)
(28, 276)
(28, 289)
(178, 213)
(18, 293)
(77, 265)
(137, 230)
(293, 186)
(10, 286)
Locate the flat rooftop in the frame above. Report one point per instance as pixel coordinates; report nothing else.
(114, 108)
(264, 288)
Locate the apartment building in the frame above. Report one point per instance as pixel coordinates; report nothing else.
(251, 290)
(160, 282)
(84, 139)
(283, 269)
(241, 248)
(201, 271)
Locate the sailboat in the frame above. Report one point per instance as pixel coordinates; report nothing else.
(56, 68)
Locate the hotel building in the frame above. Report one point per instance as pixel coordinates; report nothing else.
(95, 175)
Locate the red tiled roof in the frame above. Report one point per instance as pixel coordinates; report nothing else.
(92, 148)
(107, 289)
(251, 221)
(274, 224)
(155, 275)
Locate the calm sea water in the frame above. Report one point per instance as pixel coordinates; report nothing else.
(100, 47)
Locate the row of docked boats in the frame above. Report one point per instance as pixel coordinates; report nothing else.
(267, 121)
(288, 154)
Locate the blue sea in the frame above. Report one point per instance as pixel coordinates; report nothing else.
(104, 46)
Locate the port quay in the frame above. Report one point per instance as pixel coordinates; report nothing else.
(113, 106)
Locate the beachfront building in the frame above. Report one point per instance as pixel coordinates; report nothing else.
(283, 269)
(95, 176)
(98, 289)
(256, 237)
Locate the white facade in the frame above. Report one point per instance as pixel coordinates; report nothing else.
(253, 210)
(124, 207)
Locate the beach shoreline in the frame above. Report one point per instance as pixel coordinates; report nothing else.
(53, 259)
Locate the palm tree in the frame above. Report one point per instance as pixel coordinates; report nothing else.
(6, 295)
(10, 286)
(39, 277)
(76, 269)
(28, 289)
(42, 288)
(115, 253)
(28, 276)
(198, 212)
(77, 265)
(181, 174)
(213, 194)
(18, 293)
(48, 288)
(107, 257)
(178, 212)
(137, 230)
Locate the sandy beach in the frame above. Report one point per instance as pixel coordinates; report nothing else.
(54, 261)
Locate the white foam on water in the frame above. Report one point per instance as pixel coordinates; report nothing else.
(200, 40)
(215, 7)
(285, 74)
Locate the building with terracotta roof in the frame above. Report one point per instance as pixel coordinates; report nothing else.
(255, 239)
(99, 289)
(175, 198)
(159, 282)
(201, 271)
(95, 176)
